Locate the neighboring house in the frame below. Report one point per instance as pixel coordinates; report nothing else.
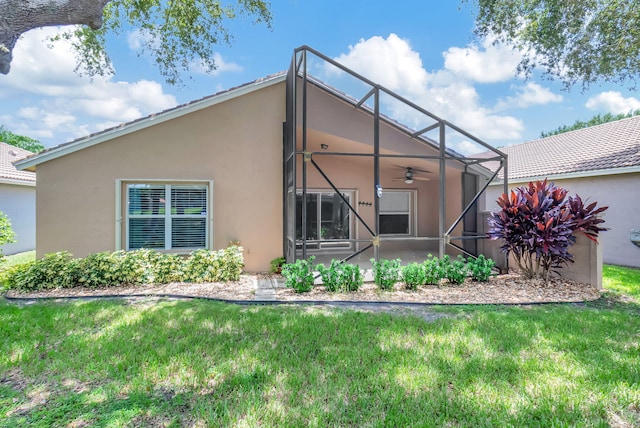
(600, 163)
(18, 199)
(285, 165)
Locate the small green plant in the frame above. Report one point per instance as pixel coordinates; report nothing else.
(299, 275)
(340, 276)
(433, 270)
(7, 235)
(480, 268)
(277, 263)
(456, 270)
(413, 275)
(386, 273)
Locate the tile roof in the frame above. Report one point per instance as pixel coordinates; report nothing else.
(8, 155)
(607, 146)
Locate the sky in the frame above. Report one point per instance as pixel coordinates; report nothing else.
(424, 51)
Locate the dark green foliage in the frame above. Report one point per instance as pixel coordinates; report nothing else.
(413, 275)
(386, 273)
(595, 120)
(59, 270)
(277, 263)
(456, 270)
(480, 268)
(433, 270)
(578, 41)
(537, 224)
(299, 275)
(175, 34)
(340, 276)
(21, 141)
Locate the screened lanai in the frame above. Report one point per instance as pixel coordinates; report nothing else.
(370, 174)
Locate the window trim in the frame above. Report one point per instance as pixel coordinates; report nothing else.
(121, 206)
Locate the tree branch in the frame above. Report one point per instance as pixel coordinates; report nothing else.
(20, 16)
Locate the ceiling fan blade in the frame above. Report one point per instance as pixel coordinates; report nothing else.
(417, 177)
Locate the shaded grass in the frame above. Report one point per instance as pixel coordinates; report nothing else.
(110, 363)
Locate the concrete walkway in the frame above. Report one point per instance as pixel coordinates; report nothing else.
(266, 289)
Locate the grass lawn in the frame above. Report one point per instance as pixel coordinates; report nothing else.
(199, 363)
(622, 280)
(16, 259)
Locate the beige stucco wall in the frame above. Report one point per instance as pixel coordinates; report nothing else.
(621, 193)
(18, 203)
(237, 144)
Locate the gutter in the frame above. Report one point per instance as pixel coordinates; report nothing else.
(571, 175)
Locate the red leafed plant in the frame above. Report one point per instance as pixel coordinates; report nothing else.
(537, 225)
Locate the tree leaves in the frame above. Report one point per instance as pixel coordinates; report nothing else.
(178, 34)
(576, 41)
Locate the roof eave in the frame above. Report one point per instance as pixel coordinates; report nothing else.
(30, 163)
(573, 175)
(17, 182)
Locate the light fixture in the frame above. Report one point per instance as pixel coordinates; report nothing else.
(408, 176)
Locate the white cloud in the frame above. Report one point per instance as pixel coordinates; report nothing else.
(392, 63)
(613, 102)
(488, 63)
(528, 95)
(222, 66)
(64, 103)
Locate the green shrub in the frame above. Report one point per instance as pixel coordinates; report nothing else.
(413, 275)
(352, 277)
(7, 235)
(480, 268)
(59, 270)
(299, 275)
(386, 273)
(213, 266)
(277, 263)
(13, 277)
(98, 269)
(166, 268)
(433, 270)
(456, 270)
(54, 270)
(340, 276)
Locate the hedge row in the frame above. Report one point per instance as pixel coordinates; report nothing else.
(61, 270)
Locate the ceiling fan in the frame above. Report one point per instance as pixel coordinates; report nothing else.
(410, 175)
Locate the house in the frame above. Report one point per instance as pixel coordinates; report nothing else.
(287, 164)
(600, 163)
(17, 199)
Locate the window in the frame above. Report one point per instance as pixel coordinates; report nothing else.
(327, 219)
(167, 216)
(396, 213)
